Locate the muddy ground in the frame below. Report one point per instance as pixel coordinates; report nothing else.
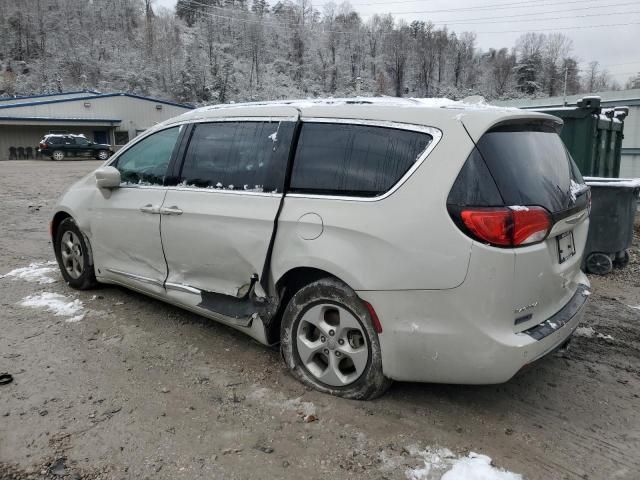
(140, 389)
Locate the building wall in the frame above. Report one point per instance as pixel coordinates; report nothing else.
(136, 115)
(30, 135)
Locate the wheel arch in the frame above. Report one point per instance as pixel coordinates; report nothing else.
(56, 221)
(285, 287)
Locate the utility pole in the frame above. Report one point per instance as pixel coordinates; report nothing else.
(564, 92)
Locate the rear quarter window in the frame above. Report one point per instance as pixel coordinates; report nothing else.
(354, 160)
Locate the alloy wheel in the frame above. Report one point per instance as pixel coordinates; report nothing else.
(72, 254)
(332, 345)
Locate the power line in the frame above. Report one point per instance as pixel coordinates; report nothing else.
(536, 13)
(439, 23)
(494, 6)
(261, 22)
(545, 19)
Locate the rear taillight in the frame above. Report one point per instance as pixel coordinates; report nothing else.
(43, 145)
(505, 226)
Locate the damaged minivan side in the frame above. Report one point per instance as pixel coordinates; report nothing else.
(374, 240)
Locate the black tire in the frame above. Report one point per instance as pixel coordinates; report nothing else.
(86, 280)
(371, 383)
(621, 260)
(57, 155)
(102, 155)
(599, 263)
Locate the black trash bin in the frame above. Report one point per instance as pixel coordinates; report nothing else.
(614, 202)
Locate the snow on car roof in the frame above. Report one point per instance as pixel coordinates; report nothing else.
(470, 103)
(476, 115)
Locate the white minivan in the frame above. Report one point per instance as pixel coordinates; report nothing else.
(374, 239)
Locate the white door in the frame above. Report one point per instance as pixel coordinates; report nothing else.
(125, 225)
(218, 222)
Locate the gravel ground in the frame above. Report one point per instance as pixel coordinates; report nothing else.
(139, 389)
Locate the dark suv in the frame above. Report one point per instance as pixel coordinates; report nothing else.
(59, 146)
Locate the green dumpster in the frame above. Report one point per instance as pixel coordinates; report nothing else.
(593, 135)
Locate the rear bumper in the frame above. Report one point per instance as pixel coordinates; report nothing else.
(431, 336)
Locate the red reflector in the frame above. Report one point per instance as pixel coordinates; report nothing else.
(374, 317)
(508, 226)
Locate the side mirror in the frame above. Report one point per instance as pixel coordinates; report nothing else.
(107, 177)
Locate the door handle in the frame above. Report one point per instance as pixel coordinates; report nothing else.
(150, 209)
(170, 211)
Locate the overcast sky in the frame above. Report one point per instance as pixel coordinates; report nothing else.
(616, 46)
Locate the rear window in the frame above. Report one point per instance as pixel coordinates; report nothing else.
(530, 165)
(353, 160)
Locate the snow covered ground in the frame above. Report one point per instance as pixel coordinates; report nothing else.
(443, 464)
(36, 272)
(57, 304)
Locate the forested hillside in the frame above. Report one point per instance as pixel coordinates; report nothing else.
(213, 51)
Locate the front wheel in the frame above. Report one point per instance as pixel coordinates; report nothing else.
(58, 155)
(73, 256)
(102, 155)
(329, 343)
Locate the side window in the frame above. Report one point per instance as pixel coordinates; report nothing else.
(80, 141)
(354, 160)
(146, 162)
(238, 156)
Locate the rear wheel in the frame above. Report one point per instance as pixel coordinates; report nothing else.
(57, 155)
(102, 155)
(329, 343)
(73, 256)
(599, 263)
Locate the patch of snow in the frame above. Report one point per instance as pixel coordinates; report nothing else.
(584, 332)
(613, 182)
(441, 463)
(519, 208)
(56, 304)
(37, 272)
(589, 332)
(274, 136)
(478, 467)
(635, 307)
(576, 189)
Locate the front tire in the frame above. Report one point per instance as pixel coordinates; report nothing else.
(57, 155)
(73, 256)
(102, 155)
(328, 342)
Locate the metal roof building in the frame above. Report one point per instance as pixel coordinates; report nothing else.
(630, 166)
(112, 118)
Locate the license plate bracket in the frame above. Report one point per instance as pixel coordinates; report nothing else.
(566, 246)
